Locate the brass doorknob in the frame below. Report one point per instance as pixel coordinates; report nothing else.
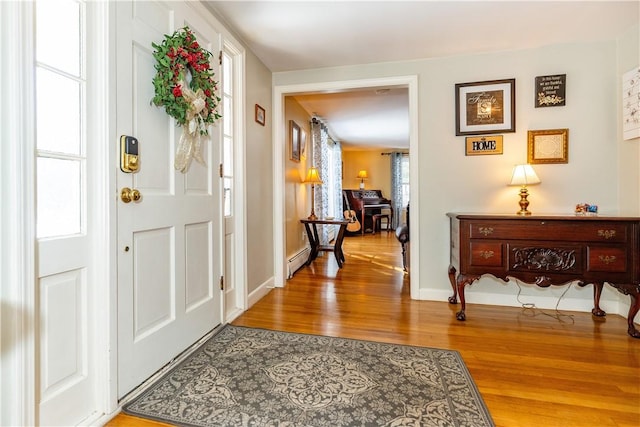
(127, 195)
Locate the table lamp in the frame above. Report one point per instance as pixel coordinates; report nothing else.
(362, 175)
(524, 175)
(313, 178)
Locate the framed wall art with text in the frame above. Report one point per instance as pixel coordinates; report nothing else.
(486, 107)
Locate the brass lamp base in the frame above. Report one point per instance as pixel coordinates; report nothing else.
(524, 203)
(313, 216)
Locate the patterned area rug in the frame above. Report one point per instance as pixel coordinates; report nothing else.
(255, 377)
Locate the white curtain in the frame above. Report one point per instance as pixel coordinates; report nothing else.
(327, 157)
(396, 187)
(337, 179)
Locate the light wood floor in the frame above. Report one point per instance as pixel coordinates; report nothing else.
(531, 369)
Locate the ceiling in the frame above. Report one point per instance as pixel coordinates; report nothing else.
(298, 35)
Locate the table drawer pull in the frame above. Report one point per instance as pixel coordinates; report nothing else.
(487, 254)
(607, 234)
(485, 230)
(607, 259)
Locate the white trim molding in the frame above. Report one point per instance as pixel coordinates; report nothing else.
(17, 216)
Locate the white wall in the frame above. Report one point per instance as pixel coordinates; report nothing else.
(258, 177)
(629, 151)
(450, 181)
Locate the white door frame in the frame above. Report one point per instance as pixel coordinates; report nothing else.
(17, 216)
(279, 142)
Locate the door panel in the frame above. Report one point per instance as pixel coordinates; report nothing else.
(198, 280)
(65, 383)
(167, 264)
(153, 272)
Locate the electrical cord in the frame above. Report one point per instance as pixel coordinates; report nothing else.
(529, 307)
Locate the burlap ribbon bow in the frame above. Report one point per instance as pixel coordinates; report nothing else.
(191, 140)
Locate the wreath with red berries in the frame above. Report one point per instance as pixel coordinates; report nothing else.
(183, 71)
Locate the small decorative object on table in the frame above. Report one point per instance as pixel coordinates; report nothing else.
(586, 209)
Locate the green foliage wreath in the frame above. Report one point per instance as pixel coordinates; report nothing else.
(184, 74)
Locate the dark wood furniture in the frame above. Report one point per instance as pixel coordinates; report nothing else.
(377, 222)
(311, 226)
(547, 250)
(366, 203)
(402, 234)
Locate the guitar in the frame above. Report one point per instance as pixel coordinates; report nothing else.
(354, 224)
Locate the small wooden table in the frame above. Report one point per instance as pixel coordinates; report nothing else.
(312, 233)
(547, 250)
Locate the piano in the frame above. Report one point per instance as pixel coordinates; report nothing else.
(366, 203)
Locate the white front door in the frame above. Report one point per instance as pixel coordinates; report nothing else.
(168, 246)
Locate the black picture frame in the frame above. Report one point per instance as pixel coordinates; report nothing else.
(551, 91)
(485, 107)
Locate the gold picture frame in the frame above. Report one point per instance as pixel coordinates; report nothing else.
(294, 141)
(548, 146)
(482, 145)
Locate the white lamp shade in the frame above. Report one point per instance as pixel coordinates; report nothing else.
(524, 175)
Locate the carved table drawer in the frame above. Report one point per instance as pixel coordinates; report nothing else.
(546, 259)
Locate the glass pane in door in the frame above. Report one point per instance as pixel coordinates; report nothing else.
(59, 197)
(57, 112)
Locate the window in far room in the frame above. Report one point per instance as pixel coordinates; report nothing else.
(404, 174)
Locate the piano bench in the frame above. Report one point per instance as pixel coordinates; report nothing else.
(377, 222)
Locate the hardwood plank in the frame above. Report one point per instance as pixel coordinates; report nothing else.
(531, 369)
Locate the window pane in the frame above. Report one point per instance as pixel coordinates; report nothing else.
(57, 113)
(227, 115)
(59, 197)
(227, 77)
(227, 156)
(58, 35)
(227, 196)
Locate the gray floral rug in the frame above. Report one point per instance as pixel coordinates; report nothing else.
(256, 377)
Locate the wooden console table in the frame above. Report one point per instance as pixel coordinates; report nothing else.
(547, 250)
(311, 226)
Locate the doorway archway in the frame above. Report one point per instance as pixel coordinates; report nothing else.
(279, 155)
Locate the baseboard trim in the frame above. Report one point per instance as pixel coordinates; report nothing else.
(263, 289)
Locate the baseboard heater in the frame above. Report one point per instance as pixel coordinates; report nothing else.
(296, 261)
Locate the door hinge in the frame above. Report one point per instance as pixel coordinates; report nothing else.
(221, 170)
(220, 57)
(222, 283)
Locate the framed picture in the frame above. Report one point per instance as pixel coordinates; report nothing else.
(548, 146)
(294, 141)
(260, 115)
(631, 104)
(486, 107)
(303, 144)
(479, 145)
(551, 90)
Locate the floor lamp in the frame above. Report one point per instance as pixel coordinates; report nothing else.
(313, 178)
